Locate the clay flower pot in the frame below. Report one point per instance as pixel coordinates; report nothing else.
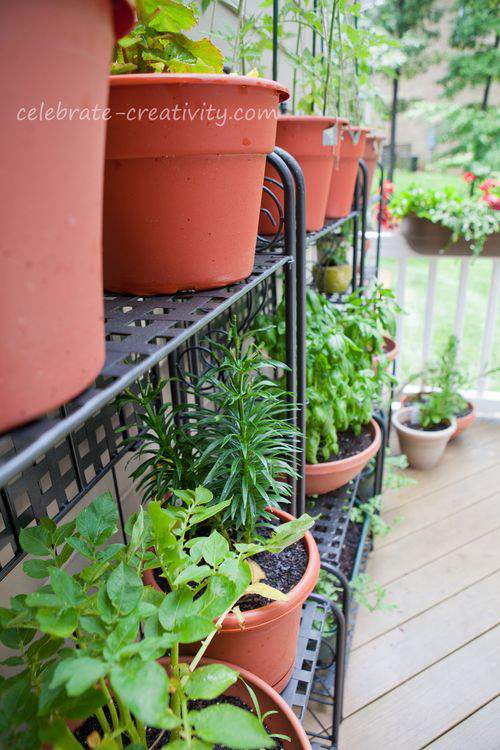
(313, 141)
(332, 279)
(51, 314)
(330, 475)
(182, 188)
(462, 422)
(282, 720)
(267, 642)
(391, 349)
(371, 155)
(345, 170)
(423, 448)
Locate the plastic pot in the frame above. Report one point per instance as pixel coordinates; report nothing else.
(54, 56)
(330, 475)
(182, 194)
(282, 719)
(332, 279)
(345, 171)
(313, 141)
(462, 422)
(423, 448)
(267, 643)
(428, 238)
(371, 155)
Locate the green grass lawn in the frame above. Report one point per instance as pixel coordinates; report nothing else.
(446, 296)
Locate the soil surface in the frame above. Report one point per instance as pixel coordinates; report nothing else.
(351, 444)
(91, 725)
(282, 570)
(350, 548)
(432, 428)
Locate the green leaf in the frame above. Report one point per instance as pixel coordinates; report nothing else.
(36, 540)
(58, 736)
(125, 632)
(78, 673)
(193, 573)
(216, 548)
(81, 546)
(209, 682)
(172, 16)
(228, 725)
(85, 705)
(219, 595)
(176, 608)
(99, 520)
(143, 687)
(38, 568)
(238, 571)
(56, 622)
(66, 588)
(124, 588)
(195, 57)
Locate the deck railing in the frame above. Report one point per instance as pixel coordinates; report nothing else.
(483, 393)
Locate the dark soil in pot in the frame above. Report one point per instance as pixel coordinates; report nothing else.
(432, 428)
(351, 444)
(464, 412)
(350, 548)
(282, 570)
(91, 724)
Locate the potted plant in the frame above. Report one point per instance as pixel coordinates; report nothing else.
(425, 430)
(445, 220)
(371, 157)
(239, 445)
(53, 125)
(183, 141)
(445, 376)
(333, 272)
(89, 681)
(345, 171)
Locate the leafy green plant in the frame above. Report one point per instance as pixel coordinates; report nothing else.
(158, 44)
(370, 594)
(464, 216)
(333, 249)
(371, 509)
(77, 649)
(436, 409)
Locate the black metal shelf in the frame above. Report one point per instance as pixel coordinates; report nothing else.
(332, 512)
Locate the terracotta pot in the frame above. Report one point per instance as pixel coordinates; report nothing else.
(423, 448)
(329, 476)
(54, 56)
(267, 643)
(182, 198)
(391, 348)
(462, 422)
(282, 720)
(371, 155)
(345, 170)
(427, 238)
(332, 279)
(311, 140)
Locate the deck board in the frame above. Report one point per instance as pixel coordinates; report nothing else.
(428, 673)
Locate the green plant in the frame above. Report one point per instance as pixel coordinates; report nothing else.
(464, 216)
(436, 408)
(371, 509)
(333, 249)
(158, 44)
(370, 594)
(394, 476)
(77, 648)
(239, 443)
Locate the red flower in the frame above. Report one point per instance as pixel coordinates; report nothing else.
(488, 184)
(469, 177)
(493, 201)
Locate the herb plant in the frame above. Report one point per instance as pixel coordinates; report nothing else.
(77, 642)
(158, 44)
(465, 216)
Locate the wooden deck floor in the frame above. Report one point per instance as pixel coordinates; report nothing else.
(427, 674)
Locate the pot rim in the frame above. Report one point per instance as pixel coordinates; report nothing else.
(375, 137)
(261, 617)
(219, 79)
(260, 684)
(424, 435)
(314, 119)
(329, 467)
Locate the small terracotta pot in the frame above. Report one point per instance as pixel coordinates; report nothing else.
(332, 279)
(55, 58)
(423, 448)
(267, 643)
(329, 476)
(462, 422)
(391, 348)
(182, 195)
(311, 140)
(345, 170)
(371, 156)
(282, 720)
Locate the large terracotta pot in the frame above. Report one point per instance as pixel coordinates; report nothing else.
(428, 238)
(371, 155)
(54, 57)
(462, 422)
(281, 719)
(313, 141)
(330, 475)
(267, 642)
(345, 170)
(423, 448)
(182, 196)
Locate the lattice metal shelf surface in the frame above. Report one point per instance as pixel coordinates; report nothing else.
(330, 527)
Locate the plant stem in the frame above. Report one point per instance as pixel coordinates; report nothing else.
(329, 57)
(101, 718)
(176, 698)
(112, 709)
(237, 34)
(205, 644)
